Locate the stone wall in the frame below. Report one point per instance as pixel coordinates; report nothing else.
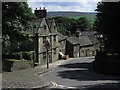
(87, 51)
(16, 65)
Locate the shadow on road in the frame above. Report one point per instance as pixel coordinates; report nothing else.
(81, 72)
(76, 65)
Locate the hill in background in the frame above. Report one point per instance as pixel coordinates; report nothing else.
(76, 15)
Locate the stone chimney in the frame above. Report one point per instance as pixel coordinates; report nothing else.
(77, 33)
(40, 13)
(69, 33)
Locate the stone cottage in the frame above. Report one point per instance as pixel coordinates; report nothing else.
(82, 44)
(93, 36)
(79, 47)
(45, 38)
(72, 46)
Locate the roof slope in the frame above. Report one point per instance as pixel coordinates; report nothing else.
(82, 40)
(61, 37)
(74, 40)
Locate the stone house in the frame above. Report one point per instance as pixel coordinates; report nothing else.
(45, 38)
(86, 46)
(62, 42)
(72, 46)
(94, 39)
(79, 47)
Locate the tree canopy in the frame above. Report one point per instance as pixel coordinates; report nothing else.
(16, 20)
(107, 23)
(66, 25)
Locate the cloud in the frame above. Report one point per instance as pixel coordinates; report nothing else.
(85, 6)
(64, 0)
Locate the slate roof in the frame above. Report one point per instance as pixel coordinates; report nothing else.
(61, 37)
(50, 24)
(93, 39)
(34, 31)
(73, 40)
(82, 40)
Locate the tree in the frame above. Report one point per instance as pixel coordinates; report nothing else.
(83, 23)
(16, 20)
(66, 24)
(107, 23)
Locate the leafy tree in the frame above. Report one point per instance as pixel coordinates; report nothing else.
(83, 23)
(66, 24)
(16, 21)
(107, 23)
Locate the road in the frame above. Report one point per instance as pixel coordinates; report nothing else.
(77, 73)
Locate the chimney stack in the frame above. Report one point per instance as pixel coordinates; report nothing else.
(40, 13)
(77, 33)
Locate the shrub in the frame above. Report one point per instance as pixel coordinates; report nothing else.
(28, 55)
(24, 55)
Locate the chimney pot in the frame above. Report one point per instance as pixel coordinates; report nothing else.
(44, 8)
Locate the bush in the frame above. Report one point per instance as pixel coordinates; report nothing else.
(25, 55)
(28, 55)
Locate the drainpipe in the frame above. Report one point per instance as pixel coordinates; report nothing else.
(51, 47)
(37, 48)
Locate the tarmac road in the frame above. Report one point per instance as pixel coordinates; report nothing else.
(77, 73)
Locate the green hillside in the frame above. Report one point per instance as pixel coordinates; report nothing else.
(90, 17)
(76, 15)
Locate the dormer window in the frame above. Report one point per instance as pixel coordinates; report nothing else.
(44, 39)
(54, 27)
(45, 27)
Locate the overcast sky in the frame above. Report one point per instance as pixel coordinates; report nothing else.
(65, 5)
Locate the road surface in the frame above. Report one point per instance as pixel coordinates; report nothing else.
(77, 73)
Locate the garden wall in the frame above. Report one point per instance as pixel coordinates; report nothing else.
(16, 65)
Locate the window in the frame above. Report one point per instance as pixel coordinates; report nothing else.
(44, 55)
(54, 38)
(55, 51)
(45, 27)
(83, 52)
(44, 39)
(54, 27)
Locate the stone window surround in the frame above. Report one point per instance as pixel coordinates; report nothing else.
(45, 27)
(54, 37)
(44, 55)
(54, 51)
(44, 39)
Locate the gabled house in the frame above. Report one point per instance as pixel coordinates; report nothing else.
(72, 46)
(86, 46)
(79, 47)
(45, 38)
(94, 39)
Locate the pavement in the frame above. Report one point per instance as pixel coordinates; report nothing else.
(29, 78)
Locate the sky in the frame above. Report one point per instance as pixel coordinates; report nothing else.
(64, 5)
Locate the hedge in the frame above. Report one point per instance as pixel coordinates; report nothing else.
(24, 55)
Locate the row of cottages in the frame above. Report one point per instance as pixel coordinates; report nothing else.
(48, 42)
(81, 45)
(45, 38)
